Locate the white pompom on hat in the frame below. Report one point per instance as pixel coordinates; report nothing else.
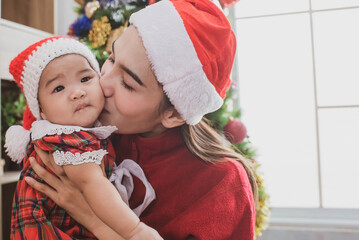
(17, 138)
(191, 47)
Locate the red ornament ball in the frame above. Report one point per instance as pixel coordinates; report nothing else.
(235, 131)
(227, 3)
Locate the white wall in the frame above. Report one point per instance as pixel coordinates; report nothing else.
(14, 38)
(65, 16)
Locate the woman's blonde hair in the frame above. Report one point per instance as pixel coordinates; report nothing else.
(204, 142)
(207, 144)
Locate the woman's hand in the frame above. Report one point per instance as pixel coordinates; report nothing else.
(64, 193)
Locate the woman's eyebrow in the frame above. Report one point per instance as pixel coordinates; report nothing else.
(113, 48)
(132, 74)
(128, 71)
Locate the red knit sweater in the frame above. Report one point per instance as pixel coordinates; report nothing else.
(194, 200)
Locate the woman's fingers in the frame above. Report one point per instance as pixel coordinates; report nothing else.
(49, 178)
(48, 160)
(48, 191)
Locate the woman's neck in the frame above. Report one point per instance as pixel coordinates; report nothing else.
(155, 132)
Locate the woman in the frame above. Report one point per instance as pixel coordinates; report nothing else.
(168, 69)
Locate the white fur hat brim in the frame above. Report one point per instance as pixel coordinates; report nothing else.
(175, 61)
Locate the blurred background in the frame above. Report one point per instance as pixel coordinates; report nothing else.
(296, 87)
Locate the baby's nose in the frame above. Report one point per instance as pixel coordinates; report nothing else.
(78, 93)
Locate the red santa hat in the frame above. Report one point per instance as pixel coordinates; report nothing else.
(191, 47)
(27, 67)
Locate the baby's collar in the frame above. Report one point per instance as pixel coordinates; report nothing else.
(41, 128)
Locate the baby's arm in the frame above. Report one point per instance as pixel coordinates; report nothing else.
(106, 202)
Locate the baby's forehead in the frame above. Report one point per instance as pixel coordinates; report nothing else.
(67, 64)
(71, 55)
(80, 60)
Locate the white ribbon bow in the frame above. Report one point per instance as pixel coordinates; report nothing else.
(122, 179)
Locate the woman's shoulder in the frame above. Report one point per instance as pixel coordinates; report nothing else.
(232, 169)
(229, 174)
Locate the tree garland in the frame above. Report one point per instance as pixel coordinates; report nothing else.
(100, 22)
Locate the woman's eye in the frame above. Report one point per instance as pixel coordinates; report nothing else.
(128, 87)
(59, 89)
(111, 59)
(85, 79)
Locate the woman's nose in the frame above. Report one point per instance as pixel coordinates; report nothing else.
(78, 93)
(107, 89)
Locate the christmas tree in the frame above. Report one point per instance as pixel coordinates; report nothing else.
(100, 22)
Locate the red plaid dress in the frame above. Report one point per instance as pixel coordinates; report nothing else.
(34, 215)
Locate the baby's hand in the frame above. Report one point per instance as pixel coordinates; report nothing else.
(142, 231)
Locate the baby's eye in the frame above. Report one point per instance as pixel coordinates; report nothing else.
(59, 89)
(85, 79)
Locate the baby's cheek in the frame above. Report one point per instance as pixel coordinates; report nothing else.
(102, 100)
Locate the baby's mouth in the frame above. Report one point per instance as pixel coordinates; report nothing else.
(81, 106)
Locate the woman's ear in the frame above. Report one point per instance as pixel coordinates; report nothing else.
(171, 118)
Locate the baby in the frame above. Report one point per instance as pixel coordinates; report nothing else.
(60, 80)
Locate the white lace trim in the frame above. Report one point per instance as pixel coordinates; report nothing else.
(41, 128)
(65, 158)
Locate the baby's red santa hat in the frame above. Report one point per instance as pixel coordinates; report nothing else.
(26, 68)
(191, 47)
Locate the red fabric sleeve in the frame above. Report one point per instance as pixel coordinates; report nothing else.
(225, 212)
(35, 216)
(219, 222)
